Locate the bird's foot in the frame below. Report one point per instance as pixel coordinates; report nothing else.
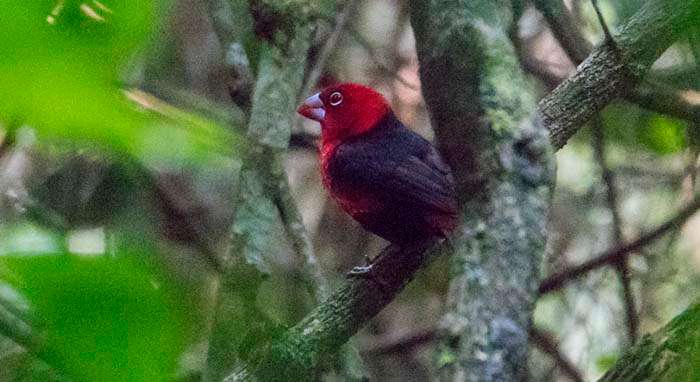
(361, 271)
(367, 272)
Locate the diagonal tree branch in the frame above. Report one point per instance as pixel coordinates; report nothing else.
(610, 257)
(611, 71)
(665, 100)
(297, 355)
(546, 342)
(649, 94)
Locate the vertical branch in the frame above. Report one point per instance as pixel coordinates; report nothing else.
(481, 108)
(621, 265)
(342, 20)
(294, 225)
(564, 28)
(284, 38)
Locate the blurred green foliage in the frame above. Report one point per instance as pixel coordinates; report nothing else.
(60, 67)
(105, 321)
(664, 135)
(605, 362)
(101, 318)
(640, 129)
(116, 315)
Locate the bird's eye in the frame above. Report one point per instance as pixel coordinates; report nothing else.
(336, 98)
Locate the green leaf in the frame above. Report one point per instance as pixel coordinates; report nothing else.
(663, 135)
(606, 361)
(105, 319)
(60, 65)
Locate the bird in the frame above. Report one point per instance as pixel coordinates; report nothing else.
(385, 176)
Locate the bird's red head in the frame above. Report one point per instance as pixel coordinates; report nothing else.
(345, 110)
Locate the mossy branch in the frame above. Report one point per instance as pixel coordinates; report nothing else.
(482, 109)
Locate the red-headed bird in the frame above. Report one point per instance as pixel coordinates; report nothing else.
(388, 178)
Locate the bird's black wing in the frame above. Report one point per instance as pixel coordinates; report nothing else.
(393, 164)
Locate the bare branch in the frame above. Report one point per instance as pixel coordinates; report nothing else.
(565, 29)
(403, 345)
(546, 342)
(342, 19)
(381, 65)
(621, 265)
(538, 337)
(294, 224)
(665, 100)
(559, 279)
(603, 24)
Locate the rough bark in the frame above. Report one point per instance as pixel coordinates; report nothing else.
(672, 354)
(481, 107)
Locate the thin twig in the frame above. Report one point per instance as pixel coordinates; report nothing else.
(317, 284)
(621, 266)
(606, 31)
(610, 257)
(374, 56)
(565, 28)
(546, 342)
(341, 21)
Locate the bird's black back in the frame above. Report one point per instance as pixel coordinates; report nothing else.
(402, 173)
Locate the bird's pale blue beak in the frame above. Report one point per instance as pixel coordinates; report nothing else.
(312, 108)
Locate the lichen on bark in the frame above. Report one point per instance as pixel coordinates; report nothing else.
(482, 109)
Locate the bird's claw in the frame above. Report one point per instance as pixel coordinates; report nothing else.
(366, 272)
(361, 271)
